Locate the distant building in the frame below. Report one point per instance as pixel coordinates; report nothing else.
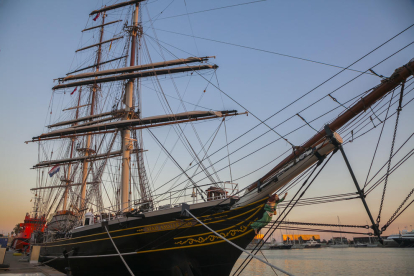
(366, 239)
(301, 238)
(338, 240)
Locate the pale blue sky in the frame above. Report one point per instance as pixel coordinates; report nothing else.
(38, 40)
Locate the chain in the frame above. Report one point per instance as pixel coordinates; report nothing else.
(393, 217)
(323, 224)
(318, 224)
(391, 153)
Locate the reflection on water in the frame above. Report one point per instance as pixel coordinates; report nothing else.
(333, 261)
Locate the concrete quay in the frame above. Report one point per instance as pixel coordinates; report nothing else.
(20, 265)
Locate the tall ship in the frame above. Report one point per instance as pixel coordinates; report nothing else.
(106, 213)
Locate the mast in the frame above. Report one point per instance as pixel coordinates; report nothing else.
(127, 144)
(340, 231)
(89, 136)
(65, 195)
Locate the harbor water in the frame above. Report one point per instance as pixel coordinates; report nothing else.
(333, 261)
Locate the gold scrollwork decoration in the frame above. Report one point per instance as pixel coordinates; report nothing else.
(211, 238)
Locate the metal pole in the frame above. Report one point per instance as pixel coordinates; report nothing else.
(361, 194)
(338, 145)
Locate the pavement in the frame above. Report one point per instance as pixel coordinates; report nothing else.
(20, 266)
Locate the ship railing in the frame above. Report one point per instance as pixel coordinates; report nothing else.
(174, 199)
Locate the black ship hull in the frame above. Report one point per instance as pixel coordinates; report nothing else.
(284, 246)
(313, 246)
(159, 245)
(405, 242)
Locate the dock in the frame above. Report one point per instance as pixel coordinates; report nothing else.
(20, 265)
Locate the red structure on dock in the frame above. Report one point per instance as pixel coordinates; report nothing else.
(31, 224)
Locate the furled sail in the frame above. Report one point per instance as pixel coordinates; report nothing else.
(115, 6)
(79, 159)
(95, 65)
(135, 68)
(137, 75)
(62, 186)
(86, 118)
(106, 24)
(100, 43)
(136, 122)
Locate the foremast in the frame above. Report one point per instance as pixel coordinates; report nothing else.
(72, 144)
(87, 149)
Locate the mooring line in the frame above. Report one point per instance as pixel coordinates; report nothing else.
(40, 264)
(238, 247)
(116, 248)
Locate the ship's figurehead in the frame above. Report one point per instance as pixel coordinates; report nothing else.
(270, 208)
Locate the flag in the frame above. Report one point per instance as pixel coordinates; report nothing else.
(74, 90)
(110, 46)
(54, 170)
(96, 17)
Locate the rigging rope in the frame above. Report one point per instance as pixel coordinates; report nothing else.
(379, 139)
(394, 216)
(373, 127)
(116, 248)
(228, 153)
(290, 56)
(291, 207)
(391, 153)
(268, 261)
(189, 147)
(272, 129)
(178, 165)
(238, 247)
(213, 9)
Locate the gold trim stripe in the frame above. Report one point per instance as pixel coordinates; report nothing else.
(134, 234)
(113, 231)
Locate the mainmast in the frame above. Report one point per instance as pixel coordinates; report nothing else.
(87, 148)
(127, 144)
